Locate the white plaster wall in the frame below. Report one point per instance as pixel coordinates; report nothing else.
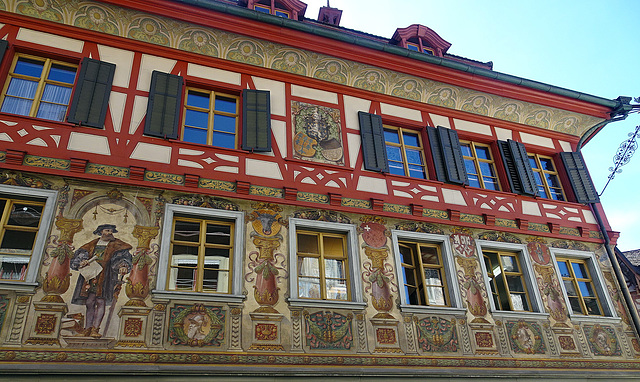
(315, 94)
(123, 59)
(148, 65)
(277, 90)
(401, 112)
(209, 73)
(52, 40)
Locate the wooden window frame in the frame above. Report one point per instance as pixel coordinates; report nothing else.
(574, 280)
(42, 82)
(322, 257)
(235, 295)
(545, 184)
(272, 10)
(493, 286)
(211, 115)
(202, 245)
(403, 150)
(476, 162)
(356, 297)
(420, 48)
(418, 265)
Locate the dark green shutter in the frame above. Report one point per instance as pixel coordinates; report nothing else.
(163, 109)
(91, 97)
(256, 120)
(373, 146)
(583, 187)
(447, 158)
(516, 162)
(436, 153)
(4, 45)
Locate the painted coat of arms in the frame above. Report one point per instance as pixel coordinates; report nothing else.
(317, 133)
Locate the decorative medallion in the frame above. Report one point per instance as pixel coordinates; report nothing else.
(525, 337)
(196, 325)
(436, 334)
(602, 340)
(328, 330)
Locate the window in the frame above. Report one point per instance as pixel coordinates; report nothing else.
(579, 286)
(404, 152)
(322, 266)
(277, 12)
(423, 274)
(506, 280)
(38, 87)
(426, 272)
(479, 165)
(210, 118)
(325, 264)
(25, 218)
(546, 177)
(201, 254)
(416, 47)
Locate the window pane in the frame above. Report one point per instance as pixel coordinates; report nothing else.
(396, 168)
(225, 140)
(414, 156)
(509, 263)
(334, 268)
(308, 266)
(336, 289)
(547, 164)
(224, 123)
(333, 246)
(411, 139)
(473, 180)
(22, 240)
(196, 118)
(592, 306)
(586, 290)
(515, 283)
(564, 269)
(533, 162)
(187, 231)
(308, 243)
(216, 258)
(309, 287)
(282, 14)
(575, 305)
(552, 180)
(416, 172)
(56, 94)
(391, 136)
(61, 73)
(394, 154)
(429, 255)
(411, 294)
(22, 88)
(13, 267)
(436, 296)
(519, 302)
(470, 166)
(483, 152)
(490, 184)
(225, 104)
(218, 234)
(52, 111)
(195, 135)
(198, 99)
(410, 277)
(466, 149)
(25, 215)
(432, 277)
(579, 270)
(29, 67)
(569, 287)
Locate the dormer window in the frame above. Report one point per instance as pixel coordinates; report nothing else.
(419, 38)
(274, 11)
(290, 9)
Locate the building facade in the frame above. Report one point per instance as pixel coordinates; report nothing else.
(221, 187)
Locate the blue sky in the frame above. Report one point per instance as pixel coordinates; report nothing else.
(591, 46)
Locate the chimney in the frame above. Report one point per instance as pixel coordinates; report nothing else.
(329, 15)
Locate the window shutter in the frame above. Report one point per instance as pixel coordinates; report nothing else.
(91, 98)
(256, 120)
(516, 162)
(373, 146)
(4, 45)
(452, 160)
(163, 109)
(581, 183)
(436, 153)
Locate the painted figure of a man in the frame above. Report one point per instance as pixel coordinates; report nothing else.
(102, 263)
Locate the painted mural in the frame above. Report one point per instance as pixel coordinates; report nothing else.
(317, 133)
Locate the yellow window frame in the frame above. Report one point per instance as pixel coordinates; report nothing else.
(414, 247)
(495, 290)
(575, 280)
(321, 256)
(542, 173)
(42, 80)
(212, 112)
(476, 162)
(202, 245)
(403, 149)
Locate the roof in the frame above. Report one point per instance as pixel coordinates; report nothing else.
(633, 256)
(619, 106)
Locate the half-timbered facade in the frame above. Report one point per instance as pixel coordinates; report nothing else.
(230, 187)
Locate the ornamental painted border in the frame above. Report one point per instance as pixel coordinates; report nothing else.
(211, 42)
